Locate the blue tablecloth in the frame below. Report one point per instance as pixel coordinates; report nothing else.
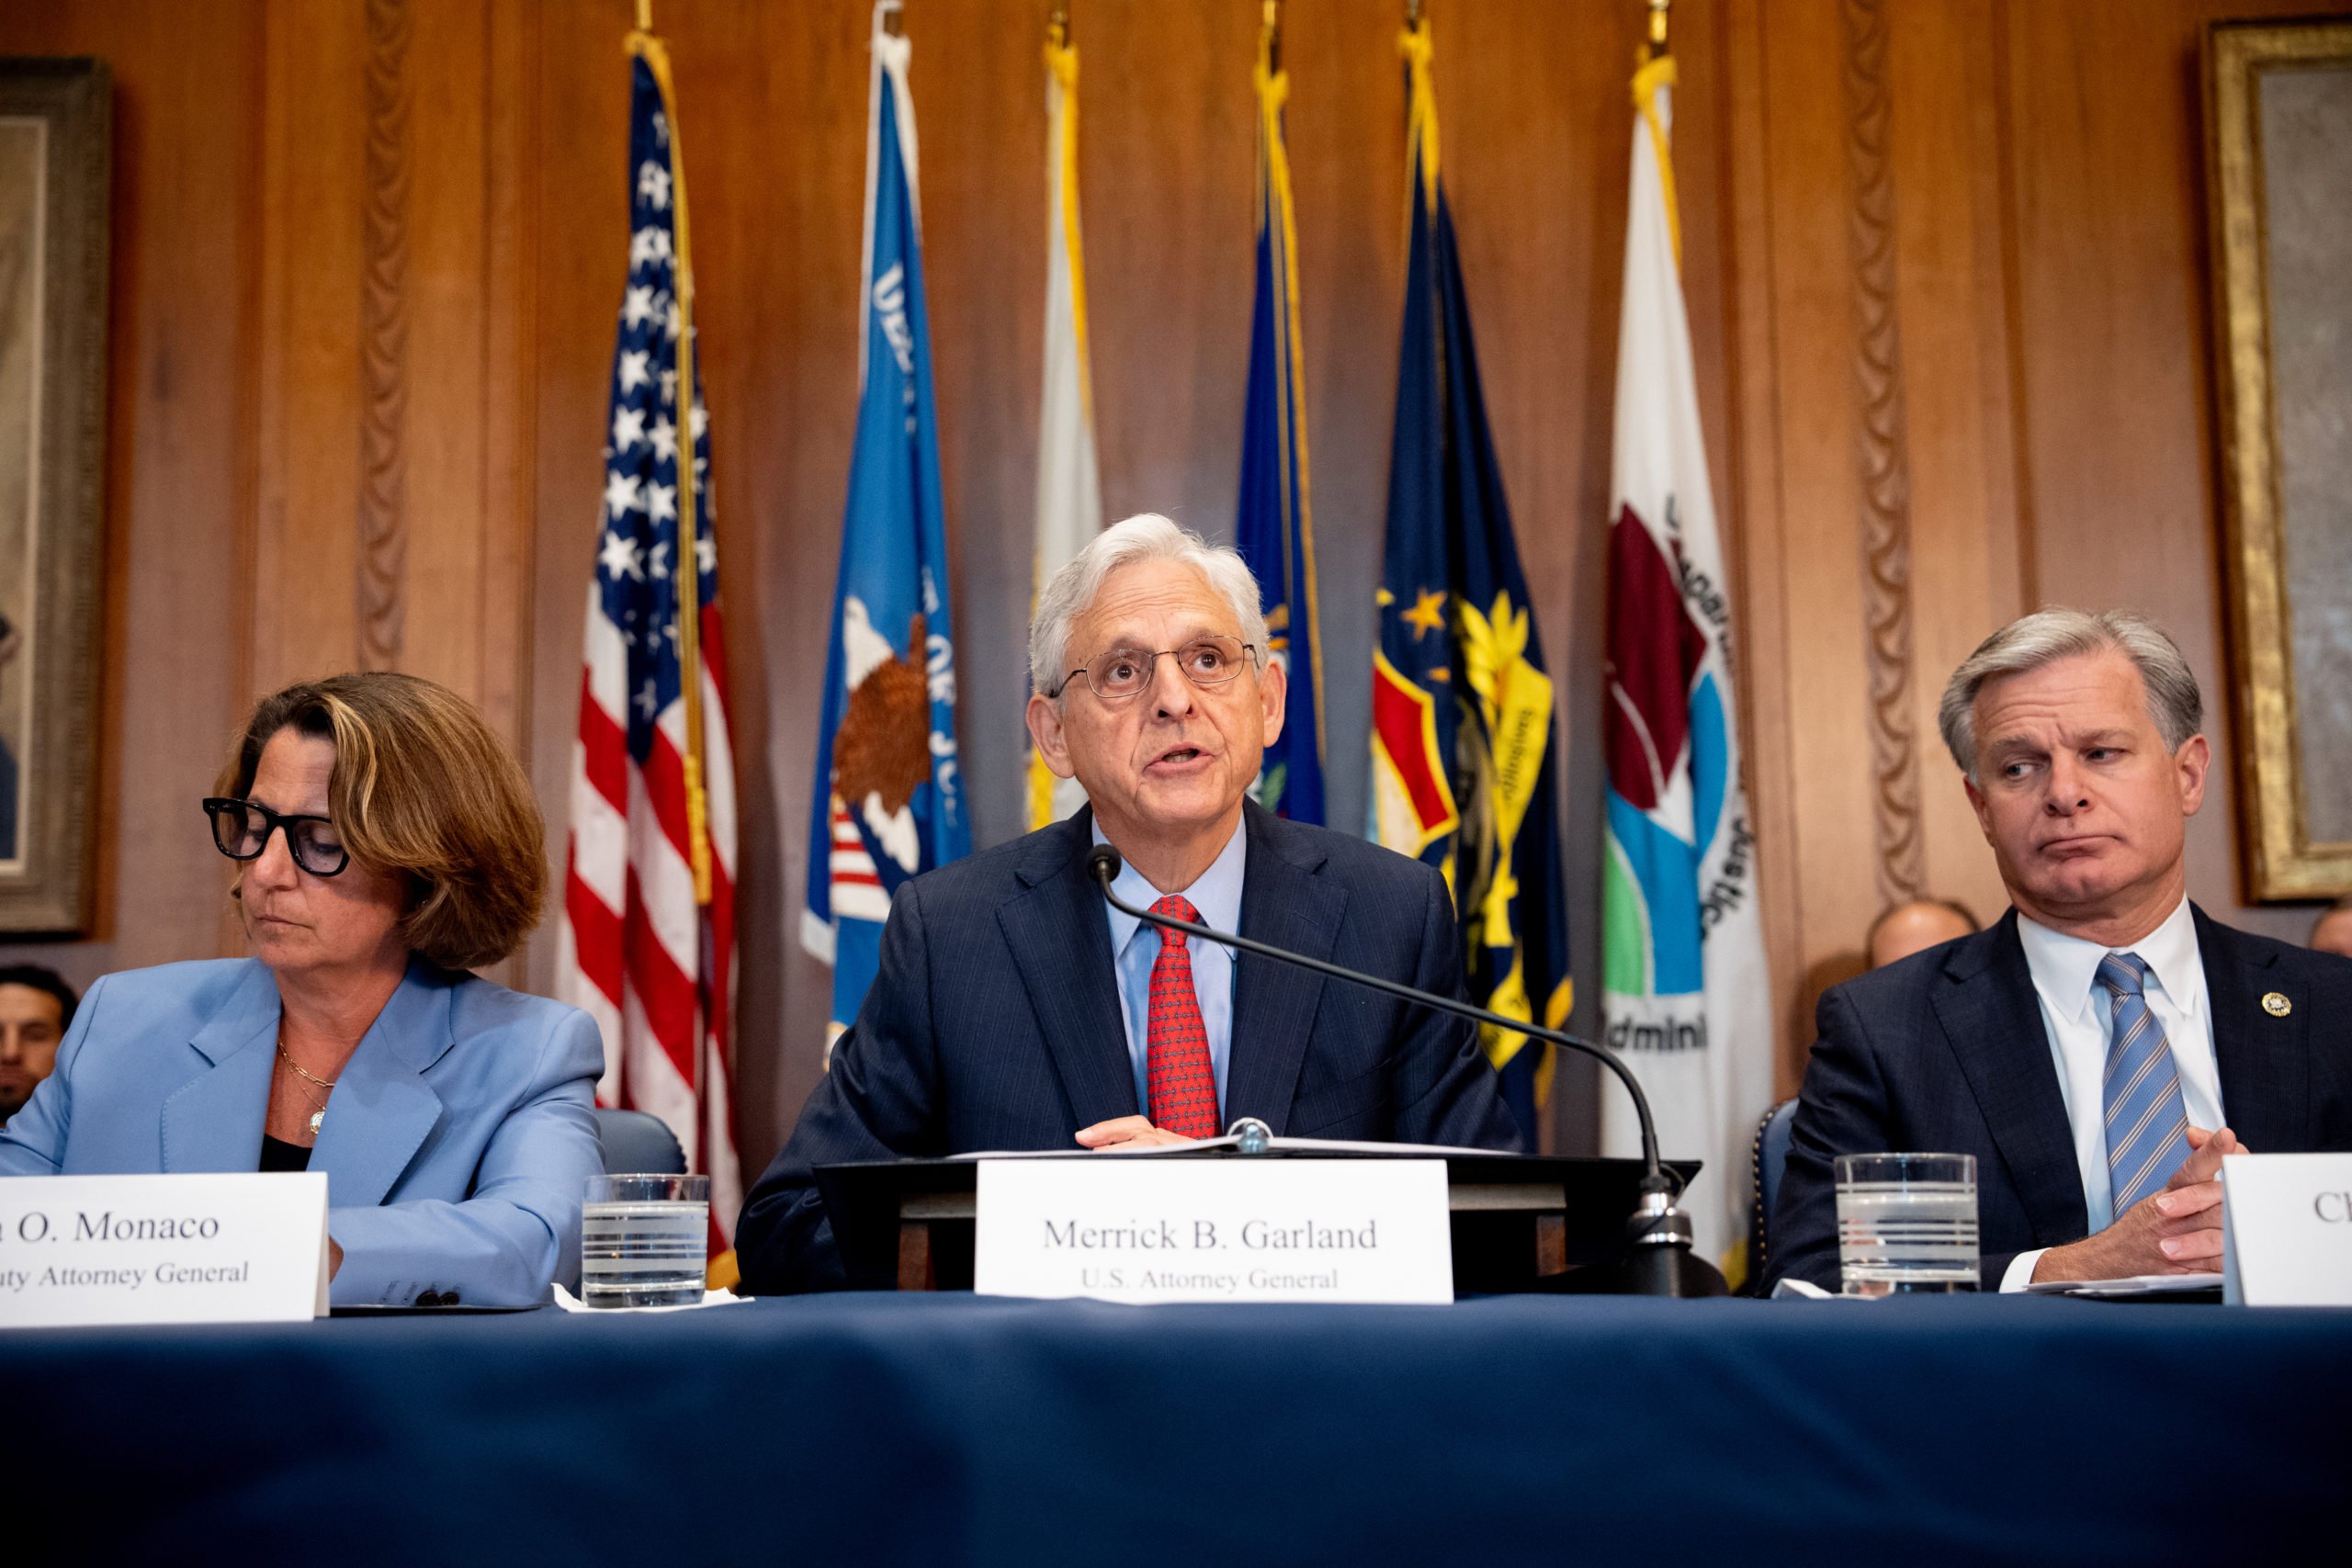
(943, 1429)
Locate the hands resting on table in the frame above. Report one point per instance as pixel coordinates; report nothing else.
(2177, 1231)
(1126, 1132)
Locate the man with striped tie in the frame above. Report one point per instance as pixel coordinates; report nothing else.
(2104, 1044)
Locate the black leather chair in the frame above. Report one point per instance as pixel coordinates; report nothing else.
(1771, 1157)
(638, 1142)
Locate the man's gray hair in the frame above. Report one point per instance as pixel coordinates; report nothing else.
(2047, 636)
(1147, 536)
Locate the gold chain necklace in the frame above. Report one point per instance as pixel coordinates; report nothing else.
(318, 1099)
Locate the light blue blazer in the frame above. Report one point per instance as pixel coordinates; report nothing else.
(457, 1145)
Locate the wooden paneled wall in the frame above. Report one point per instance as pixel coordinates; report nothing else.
(1944, 261)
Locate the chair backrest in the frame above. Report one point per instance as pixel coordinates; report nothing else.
(1771, 1156)
(638, 1142)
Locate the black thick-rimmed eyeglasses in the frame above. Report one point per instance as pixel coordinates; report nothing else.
(1118, 673)
(241, 830)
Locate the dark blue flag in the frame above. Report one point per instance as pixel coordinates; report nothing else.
(1463, 756)
(1274, 525)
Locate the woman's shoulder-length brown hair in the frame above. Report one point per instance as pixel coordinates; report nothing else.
(423, 789)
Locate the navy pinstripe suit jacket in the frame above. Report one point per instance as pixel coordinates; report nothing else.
(994, 1023)
(1945, 1053)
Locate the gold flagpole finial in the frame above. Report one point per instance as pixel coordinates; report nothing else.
(1658, 25)
(1412, 15)
(645, 16)
(893, 17)
(1273, 32)
(1057, 24)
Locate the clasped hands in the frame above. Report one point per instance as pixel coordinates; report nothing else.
(2176, 1231)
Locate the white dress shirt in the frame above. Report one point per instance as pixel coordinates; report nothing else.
(1135, 949)
(2076, 1014)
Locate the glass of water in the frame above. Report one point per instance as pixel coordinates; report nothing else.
(643, 1240)
(1906, 1222)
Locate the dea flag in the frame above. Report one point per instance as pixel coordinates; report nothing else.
(1683, 980)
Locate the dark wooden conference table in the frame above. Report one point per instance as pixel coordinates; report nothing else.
(879, 1428)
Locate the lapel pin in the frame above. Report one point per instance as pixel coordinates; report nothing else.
(2275, 1004)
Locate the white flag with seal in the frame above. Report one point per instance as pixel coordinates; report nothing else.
(1684, 987)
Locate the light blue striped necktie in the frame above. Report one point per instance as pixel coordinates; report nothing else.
(2147, 1125)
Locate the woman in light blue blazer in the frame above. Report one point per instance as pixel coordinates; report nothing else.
(387, 842)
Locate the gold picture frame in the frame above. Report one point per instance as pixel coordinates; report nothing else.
(56, 162)
(2279, 97)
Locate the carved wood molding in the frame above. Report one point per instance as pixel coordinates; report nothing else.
(383, 342)
(1885, 463)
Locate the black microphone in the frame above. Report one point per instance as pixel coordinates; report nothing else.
(1660, 1262)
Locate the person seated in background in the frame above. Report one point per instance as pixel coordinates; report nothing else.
(2104, 1046)
(1014, 1008)
(36, 1007)
(386, 843)
(1904, 929)
(2332, 933)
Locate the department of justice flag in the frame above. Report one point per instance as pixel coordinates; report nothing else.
(1465, 774)
(1069, 487)
(1683, 978)
(888, 802)
(636, 949)
(1275, 524)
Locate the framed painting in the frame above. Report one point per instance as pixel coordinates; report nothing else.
(2279, 99)
(56, 119)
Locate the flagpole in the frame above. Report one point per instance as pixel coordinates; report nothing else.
(649, 48)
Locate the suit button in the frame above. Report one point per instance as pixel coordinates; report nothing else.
(448, 1298)
(427, 1298)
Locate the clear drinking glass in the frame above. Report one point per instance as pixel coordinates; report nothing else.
(1906, 1222)
(643, 1240)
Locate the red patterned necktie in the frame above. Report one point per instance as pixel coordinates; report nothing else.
(1184, 1086)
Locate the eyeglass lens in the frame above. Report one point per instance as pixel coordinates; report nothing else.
(1205, 661)
(242, 831)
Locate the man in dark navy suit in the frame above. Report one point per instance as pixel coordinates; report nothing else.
(2101, 1047)
(1015, 1009)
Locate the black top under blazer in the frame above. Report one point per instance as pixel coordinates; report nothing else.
(994, 1023)
(1945, 1053)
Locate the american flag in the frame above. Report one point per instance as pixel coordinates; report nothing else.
(636, 949)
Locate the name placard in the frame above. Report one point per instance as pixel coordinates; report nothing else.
(1215, 1230)
(78, 1250)
(2286, 1230)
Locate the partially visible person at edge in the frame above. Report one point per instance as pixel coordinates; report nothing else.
(2106, 1043)
(2332, 933)
(1915, 926)
(36, 1007)
(386, 843)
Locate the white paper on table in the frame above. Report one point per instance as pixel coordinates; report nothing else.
(2132, 1285)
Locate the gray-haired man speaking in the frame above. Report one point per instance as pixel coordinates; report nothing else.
(2105, 1043)
(1015, 1009)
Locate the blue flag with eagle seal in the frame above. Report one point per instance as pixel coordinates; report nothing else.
(1465, 770)
(888, 802)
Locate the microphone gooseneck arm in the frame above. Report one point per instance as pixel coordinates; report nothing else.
(1102, 862)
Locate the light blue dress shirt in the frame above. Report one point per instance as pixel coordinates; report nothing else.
(1135, 947)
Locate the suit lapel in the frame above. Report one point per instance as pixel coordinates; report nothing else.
(1060, 941)
(2264, 1059)
(214, 1121)
(1993, 1022)
(1284, 903)
(383, 1110)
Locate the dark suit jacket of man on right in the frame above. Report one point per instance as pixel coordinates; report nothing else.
(1946, 1052)
(994, 1023)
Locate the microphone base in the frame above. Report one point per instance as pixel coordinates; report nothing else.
(1666, 1270)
